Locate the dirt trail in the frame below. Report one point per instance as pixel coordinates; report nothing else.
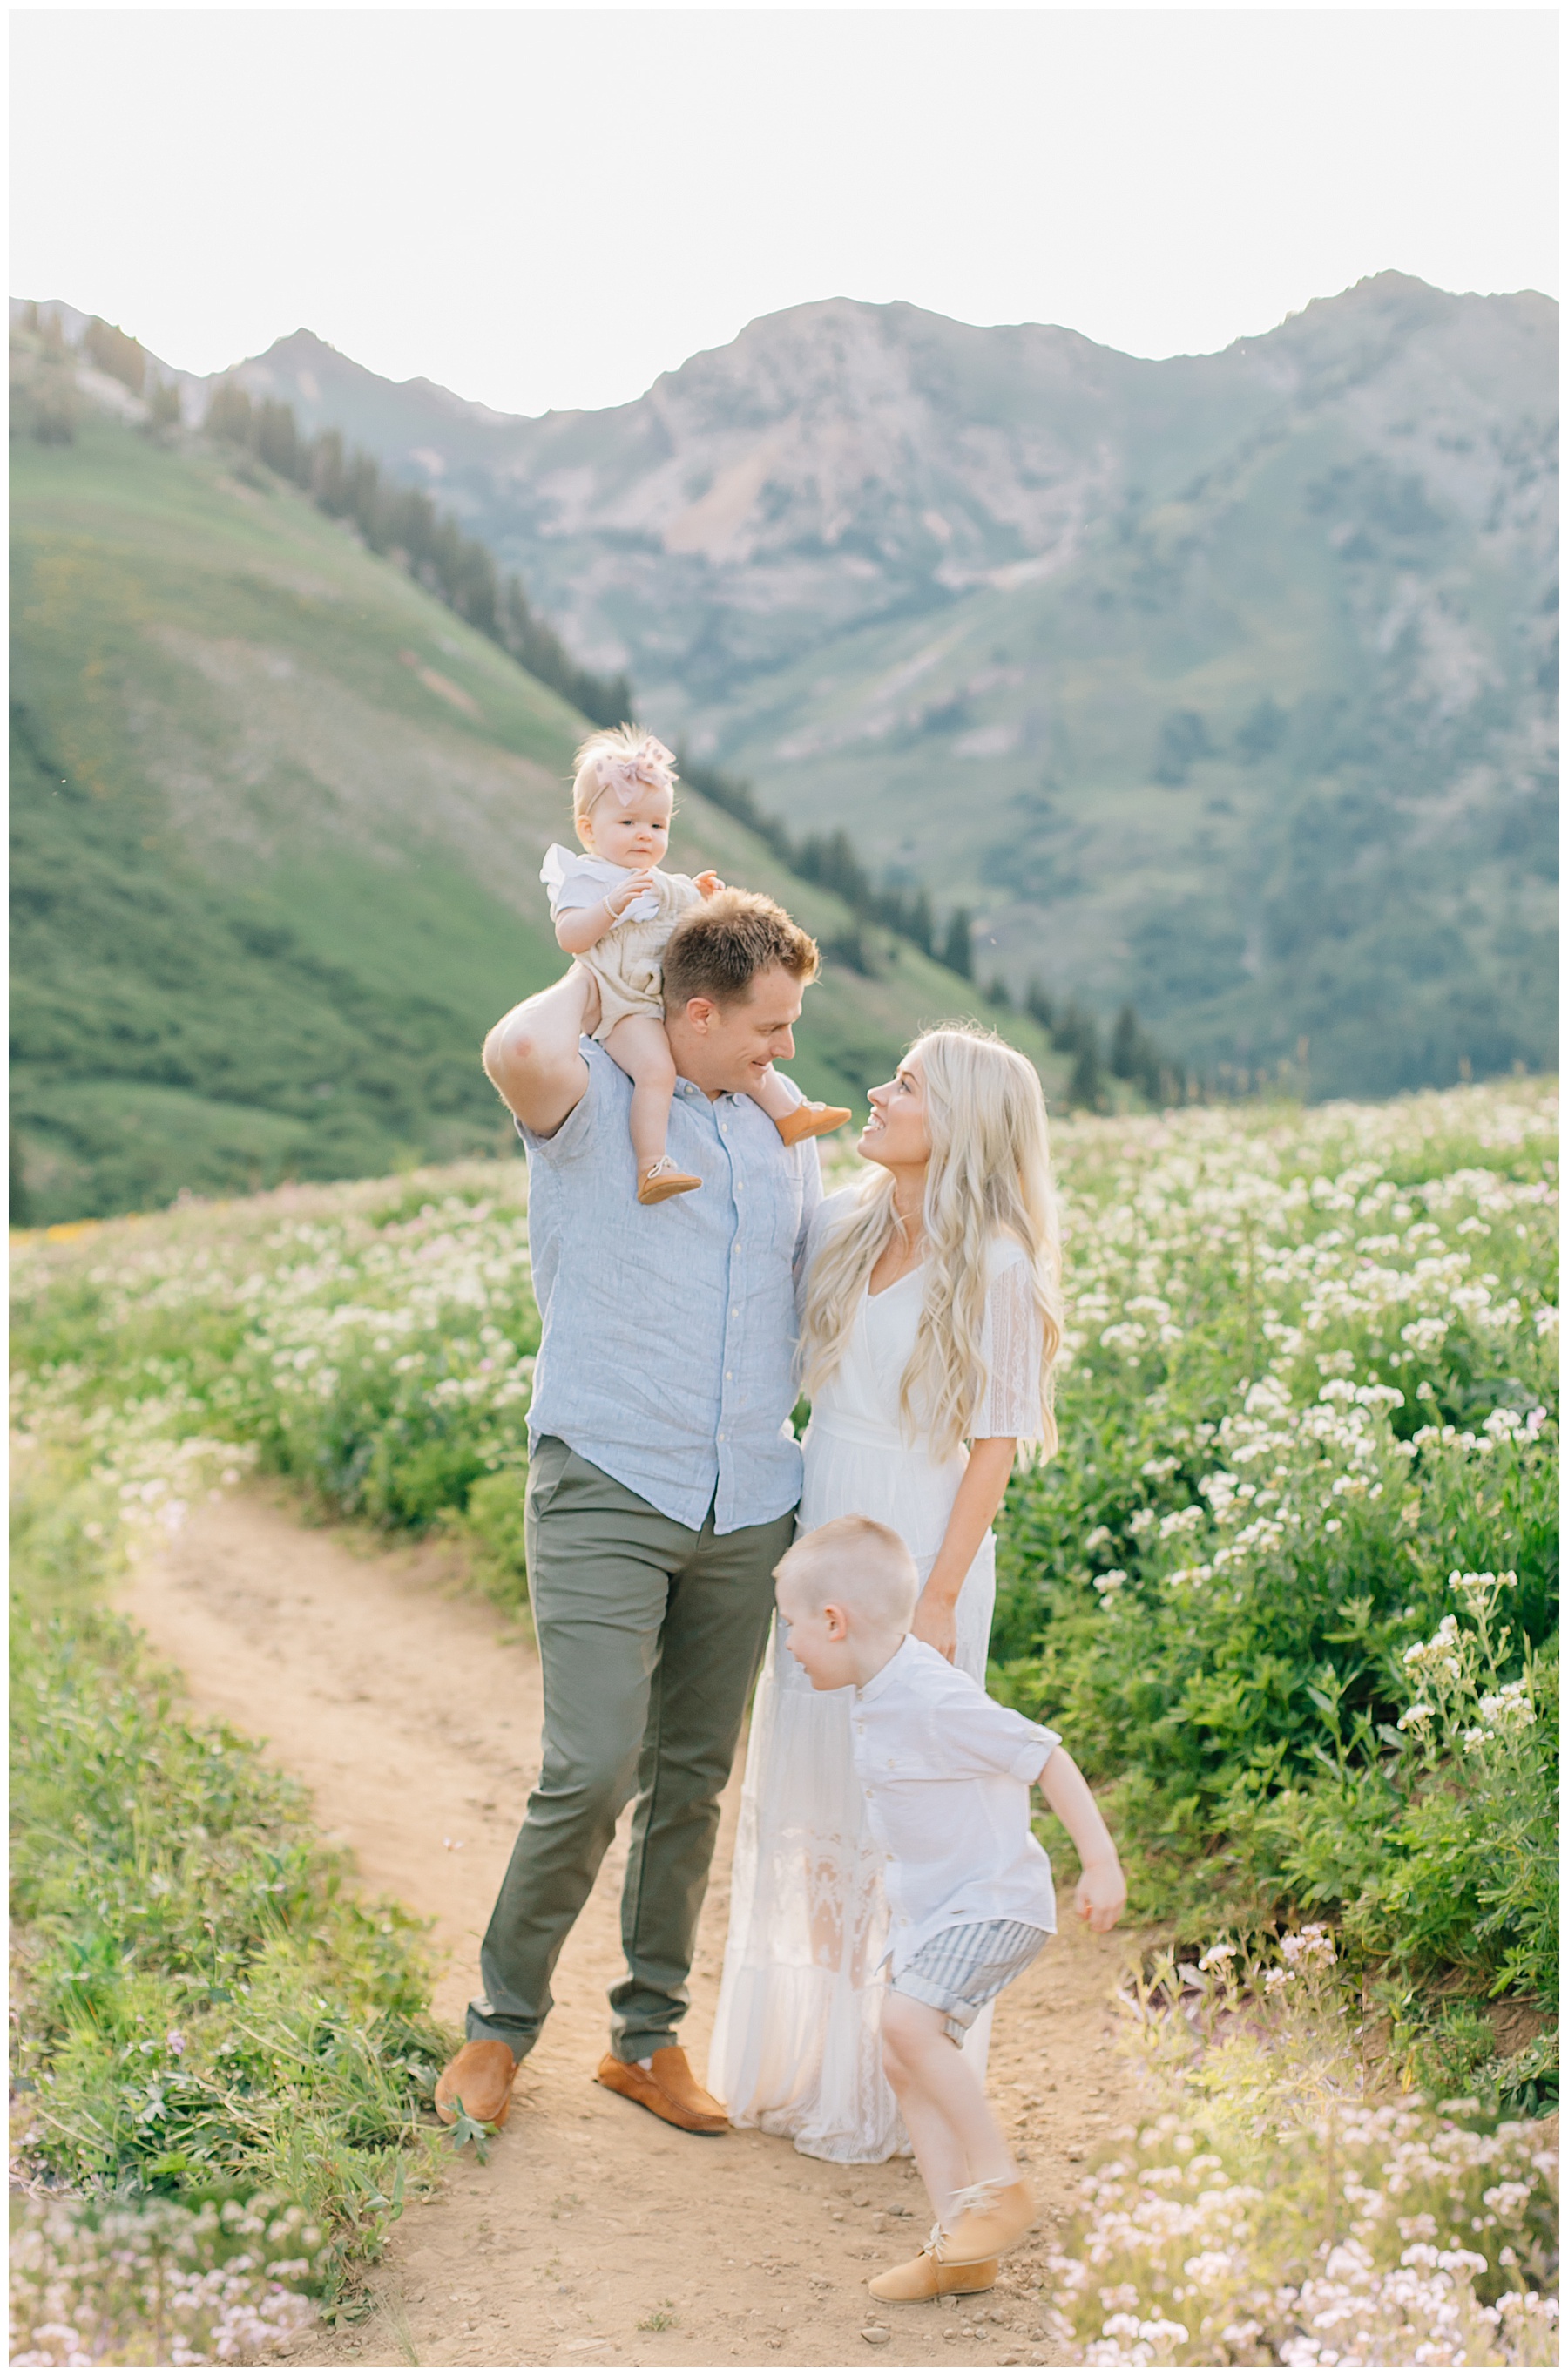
(595, 2237)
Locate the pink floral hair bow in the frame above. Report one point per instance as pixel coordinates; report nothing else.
(650, 764)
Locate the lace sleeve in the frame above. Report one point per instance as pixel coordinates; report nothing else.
(1014, 1355)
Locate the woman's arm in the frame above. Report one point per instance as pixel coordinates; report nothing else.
(978, 1499)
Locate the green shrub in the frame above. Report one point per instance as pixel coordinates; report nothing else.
(1311, 1390)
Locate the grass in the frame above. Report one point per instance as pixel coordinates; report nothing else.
(204, 2008)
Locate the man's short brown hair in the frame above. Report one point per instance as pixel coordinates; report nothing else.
(717, 950)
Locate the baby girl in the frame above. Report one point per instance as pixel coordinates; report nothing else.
(614, 910)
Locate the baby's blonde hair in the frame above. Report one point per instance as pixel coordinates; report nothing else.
(618, 758)
(864, 1566)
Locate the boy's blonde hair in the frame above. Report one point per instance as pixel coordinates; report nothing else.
(858, 1562)
(622, 759)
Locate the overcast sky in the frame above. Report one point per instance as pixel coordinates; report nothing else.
(543, 208)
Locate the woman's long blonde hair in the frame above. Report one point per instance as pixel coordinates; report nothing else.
(989, 1176)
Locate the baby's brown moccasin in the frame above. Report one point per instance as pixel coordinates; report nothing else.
(669, 2090)
(812, 1121)
(479, 2077)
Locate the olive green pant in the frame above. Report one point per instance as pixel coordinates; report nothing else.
(650, 1634)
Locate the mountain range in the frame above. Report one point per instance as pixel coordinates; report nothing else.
(1225, 682)
(1222, 683)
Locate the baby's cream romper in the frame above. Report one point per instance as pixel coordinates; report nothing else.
(628, 961)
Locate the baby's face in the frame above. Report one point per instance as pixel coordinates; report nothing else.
(633, 832)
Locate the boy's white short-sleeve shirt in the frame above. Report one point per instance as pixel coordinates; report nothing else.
(945, 1772)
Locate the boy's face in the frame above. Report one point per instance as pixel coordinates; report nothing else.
(819, 1637)
(634, 833)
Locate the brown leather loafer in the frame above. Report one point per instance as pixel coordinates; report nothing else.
(481, 2075)
(669, 2090)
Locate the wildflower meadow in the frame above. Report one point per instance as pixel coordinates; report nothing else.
(1288, 1590)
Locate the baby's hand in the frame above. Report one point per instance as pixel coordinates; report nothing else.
(624, 894)
(708, 883)
(1100, 1896)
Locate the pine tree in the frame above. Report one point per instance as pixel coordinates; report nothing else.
(1125, 1044)
(163, 405)
(1086, 1086)
(1038, 1002)
(123, 358)
(229, 414)
(957, 949)
(275, 439)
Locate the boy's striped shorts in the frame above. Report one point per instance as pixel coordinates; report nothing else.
(961, 1971)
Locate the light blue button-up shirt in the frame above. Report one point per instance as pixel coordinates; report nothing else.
(669, 1347)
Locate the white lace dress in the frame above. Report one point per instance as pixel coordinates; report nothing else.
(796, 2046)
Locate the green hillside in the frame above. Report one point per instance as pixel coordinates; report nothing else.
(278, 818)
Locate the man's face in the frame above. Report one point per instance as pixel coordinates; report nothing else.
(728, 1048)
(819, 1637)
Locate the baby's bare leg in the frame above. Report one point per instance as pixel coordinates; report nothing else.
(776, 1096)
(640, 1047)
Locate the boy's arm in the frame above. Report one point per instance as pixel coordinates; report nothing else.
(1101, 1893)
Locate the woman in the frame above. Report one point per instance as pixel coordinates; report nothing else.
(929, 1316)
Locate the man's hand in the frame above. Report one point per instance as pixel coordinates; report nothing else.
(934, 1621)
(1101, 1894)
(708, 883)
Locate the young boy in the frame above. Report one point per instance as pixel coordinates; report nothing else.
(946, 1774)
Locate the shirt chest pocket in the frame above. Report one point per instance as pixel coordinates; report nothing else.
(774, 1185)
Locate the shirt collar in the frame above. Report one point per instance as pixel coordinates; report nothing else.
(884, 1676)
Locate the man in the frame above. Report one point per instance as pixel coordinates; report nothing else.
(662, 1483)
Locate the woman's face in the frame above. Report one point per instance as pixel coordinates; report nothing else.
(898, 1133)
